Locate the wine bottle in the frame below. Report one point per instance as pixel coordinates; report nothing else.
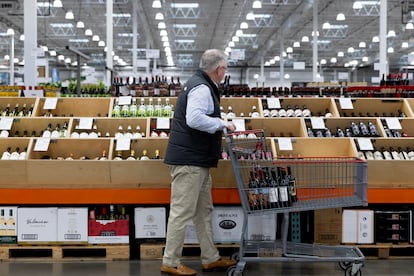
(145, 88)
(22, 155)
(11, 224)
(395, 155)
(273, 189)
(118, 156)
(6, 154)
(157, 154)
(292, 185)
(119, 133)
(103, 156)
(298, 111)
(230, 113)
(22, 111)
(56, 132)
(171, 87)
(3, 223)
(387, 155)
(133, 108)
(15, 111)
(6, 111)
(264, 188)
(137, 133)
(355, 129)
(157, 87)
(15, 154)
(111, 212)
(144, 155)
(254, 113)
(283, 187)
(131, 155)
(252, 191)
(364, 129)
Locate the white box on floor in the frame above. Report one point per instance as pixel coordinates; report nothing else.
(227, 224)
(262, 227)
(358, 226)
(37, 225)
(150, 222)
(72, 225)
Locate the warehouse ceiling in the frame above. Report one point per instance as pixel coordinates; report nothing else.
(193, 26)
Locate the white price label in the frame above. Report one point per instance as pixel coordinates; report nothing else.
(240, 124)
(365, 144)
(123, 143)
(273, 103)
(42, 144)
(285, 143)
(85, 123)
(125, 100)
(6, 123)
(50, 103)
(318, 123)
(393, 123)
(346, 103)
(163, 123)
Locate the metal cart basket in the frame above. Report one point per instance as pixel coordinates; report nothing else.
(284, 185)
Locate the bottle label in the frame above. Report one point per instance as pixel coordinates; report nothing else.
(273, 195)
(283, 194)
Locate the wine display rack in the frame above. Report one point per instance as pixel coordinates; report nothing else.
(44, 177)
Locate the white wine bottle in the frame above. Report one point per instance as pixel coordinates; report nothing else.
(15, 154)
(6, 154)
(11, 224)
(3, 223)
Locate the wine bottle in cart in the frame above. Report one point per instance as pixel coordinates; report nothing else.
(252, 191)
(292, 184)
(283, 187)
(273, 189)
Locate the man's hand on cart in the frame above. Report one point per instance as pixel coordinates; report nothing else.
(231, 127)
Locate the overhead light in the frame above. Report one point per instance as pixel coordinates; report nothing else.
(244, 25)
(10, 31)
(239, 32)
(231, 44)
(409, 26)
(257, 4)
(350, 50)
(116, 58)
(6, 57)
(375, 39)
(88, 32)
(284, 54)
(159, 16)
(276, 58)
(333, 60)
(323, 61)
(287, 76)
(250, 16)
(163, 33)
(296, 44)
(340, 17)
(95, 38)
(340, 54)
(305, 38)
(365, 59)
(267, 63)
(357, 5)
(45, 48)
(80, 25)
(52, 53)
(69, 15)
(404, 44)
(362, 44)
(235, 38)
(61, 57)
(16, 60)
(68, 60)
(390, 50)
(57, 4)
(326, 26)
(289, 50)
(166, 44)
(156, 4)
(21, 37)
(161, 25)
(101, 43)
(391, 33)
(164, 38)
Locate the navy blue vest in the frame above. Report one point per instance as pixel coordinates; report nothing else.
(188, 146)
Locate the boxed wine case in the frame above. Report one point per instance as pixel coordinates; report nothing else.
(37, 225)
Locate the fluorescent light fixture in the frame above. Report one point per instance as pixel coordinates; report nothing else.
(323, 61)
(80, 25)
(10, 31)
(390, 50)
(267, 63)
(340, 17)
(391, 33)
(61, 57)
(257, 4)
(357, 5)
(121, 15)
(296, 44)
(333, 60)
(351, 50)
(326, 26)
(95, 38)
(45, 48)
(184, 40)
(69, 15)
(161, 25)
(21, 37)
(68, 60)
(305, 38)
(244, 25)
(88, 32)
(101, 43)
(156, 4)
(163, 33)
(184, 5)
(365, 59)
(167, 49)
(239, 32)
(52, 53)
(164, 38)
(228, 49)
(166, 44)
(78, 40)
(159, 16)
(235, 38)
(75, 63)
(289, 50)
(272, 61)
(116, 58)
(409, 26)
(57, 4)
(250, 16)
(276, 58)
(231, 44)
(362, 44)
(404, 44)
(375, 39)
(61, 25)
(284, 54)
(340, 54)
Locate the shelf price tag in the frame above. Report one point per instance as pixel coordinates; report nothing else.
(365, 144)
(273, 103)
(163, 123)
(317, 123)
(393, 123)
(346, 103)
(6, 123)
(123, 143)
(50, 103)
(240, 124)
(124, 100)
(42, 144)
(285, 143)
(85, 123)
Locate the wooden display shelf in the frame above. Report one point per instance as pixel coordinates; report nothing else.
(157, 196)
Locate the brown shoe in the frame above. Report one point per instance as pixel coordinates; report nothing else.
(179, 270)
(219, 264)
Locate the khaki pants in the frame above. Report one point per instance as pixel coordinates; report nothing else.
(190, 199)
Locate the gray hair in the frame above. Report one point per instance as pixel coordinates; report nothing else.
(211, 59)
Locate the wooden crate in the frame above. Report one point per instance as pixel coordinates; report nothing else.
(14, 171)
(37, 125)
(278, 127)
(373, 105)
(318, 106)
(4, 101)
(241, 105)
(333, 123)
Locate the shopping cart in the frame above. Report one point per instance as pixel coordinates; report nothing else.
(283, 185)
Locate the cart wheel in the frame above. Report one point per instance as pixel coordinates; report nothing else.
(235, 255)
(348, 272)
(344, 265)
(232, 271)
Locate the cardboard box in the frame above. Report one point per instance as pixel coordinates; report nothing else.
(37, 225)
(227, 224)
(8, 224)
(150, 222)
(72, 225)
(108, 231)
(358, 226)
(328, 226)
(262, 227)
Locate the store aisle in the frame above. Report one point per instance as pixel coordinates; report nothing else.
(150, 268)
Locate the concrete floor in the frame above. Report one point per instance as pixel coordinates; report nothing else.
(150, 268)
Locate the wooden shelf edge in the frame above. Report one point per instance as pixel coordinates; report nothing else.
(158, 196)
